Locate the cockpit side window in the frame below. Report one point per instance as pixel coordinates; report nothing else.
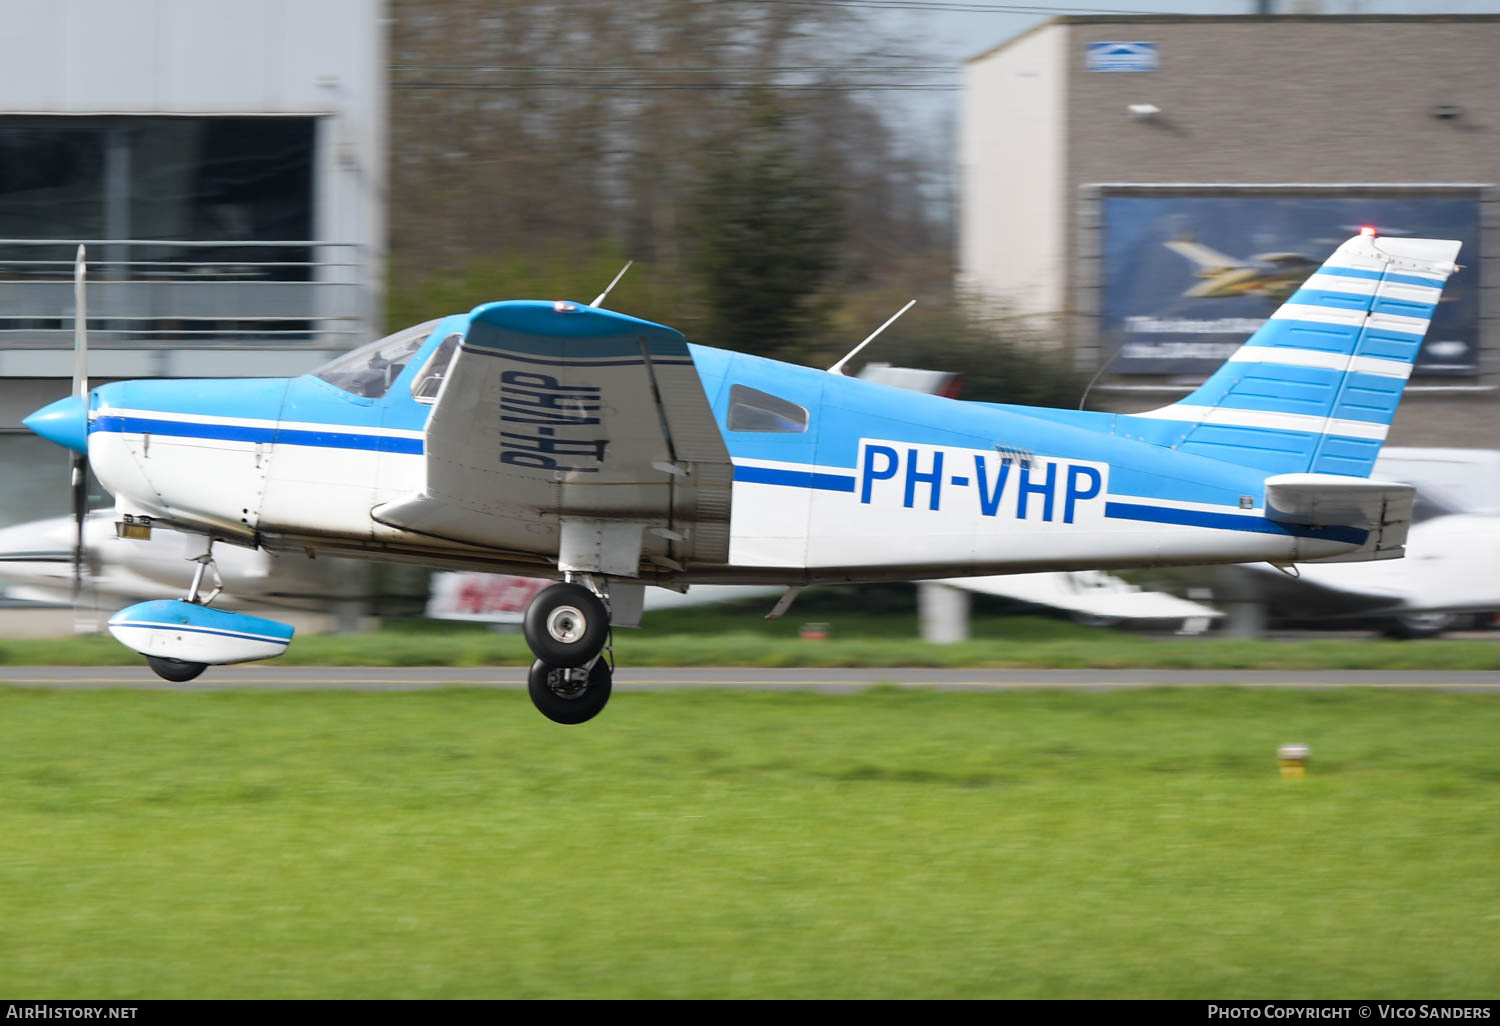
(424, 387)
(753, 410)
(369, 370)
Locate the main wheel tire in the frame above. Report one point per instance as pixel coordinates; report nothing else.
(175, 670)
(566, 625)
(558, 695)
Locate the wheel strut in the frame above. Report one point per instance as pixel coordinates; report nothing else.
(205, 562)
(567, 627)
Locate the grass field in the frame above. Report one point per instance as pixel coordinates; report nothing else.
(889, 844)
(741, 637)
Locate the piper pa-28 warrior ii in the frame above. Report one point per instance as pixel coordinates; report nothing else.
(563, 440)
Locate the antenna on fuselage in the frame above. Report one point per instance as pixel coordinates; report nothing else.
(600, 297)
(838, 368)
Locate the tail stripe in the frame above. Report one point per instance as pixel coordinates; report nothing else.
(1412, 276)
(1398, 324)
(1416, 291)
(1289, 357)
(1322, 314)
(1315, 424)
(1325, 281)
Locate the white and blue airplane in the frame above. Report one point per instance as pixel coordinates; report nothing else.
(563, 440)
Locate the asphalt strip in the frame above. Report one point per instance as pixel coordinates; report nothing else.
(835, 680)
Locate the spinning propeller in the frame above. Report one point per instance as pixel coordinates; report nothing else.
(80, 460)
(66, 422)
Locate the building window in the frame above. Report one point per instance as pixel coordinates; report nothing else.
(202, 221)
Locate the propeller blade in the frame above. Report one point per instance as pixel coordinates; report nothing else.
(80, 330)
(80, 509)
(80, 461)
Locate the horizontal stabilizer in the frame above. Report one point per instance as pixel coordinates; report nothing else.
(1382, 508)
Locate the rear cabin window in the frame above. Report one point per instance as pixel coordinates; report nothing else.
(753, 410)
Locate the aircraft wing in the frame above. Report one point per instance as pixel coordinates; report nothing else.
(1382, 508)
(568, 430)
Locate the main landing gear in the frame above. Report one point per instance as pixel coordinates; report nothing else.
(567, 629)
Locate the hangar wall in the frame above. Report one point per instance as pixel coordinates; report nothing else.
(1011, 161)
(225, 161)
(1257, 104)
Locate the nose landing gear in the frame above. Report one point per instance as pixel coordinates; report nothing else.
(567, 629)
(181, 637)
(180, 670)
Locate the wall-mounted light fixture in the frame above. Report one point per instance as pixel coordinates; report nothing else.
(1446, 111)
(1144, 111)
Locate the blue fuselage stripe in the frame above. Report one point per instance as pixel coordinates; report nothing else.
(1228, 522)
(239, 433)
(794, 478)
(1115, 510)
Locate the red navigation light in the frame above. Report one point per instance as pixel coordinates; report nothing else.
(563, 306)
(1368, 231)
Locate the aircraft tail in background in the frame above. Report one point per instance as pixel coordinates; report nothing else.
(1315, 389)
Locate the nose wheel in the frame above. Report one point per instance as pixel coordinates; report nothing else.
(179, 670)
(176, 670)
(567, 629)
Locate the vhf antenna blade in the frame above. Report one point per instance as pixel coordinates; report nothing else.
(838, 368)
(600, 297)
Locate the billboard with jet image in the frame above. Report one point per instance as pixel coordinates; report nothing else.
(1187, 278)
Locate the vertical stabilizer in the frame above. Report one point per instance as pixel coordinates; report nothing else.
(1315, 389)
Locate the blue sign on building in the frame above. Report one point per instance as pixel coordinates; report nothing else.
(1122, 57)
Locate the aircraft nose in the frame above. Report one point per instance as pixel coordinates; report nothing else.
(65, 422)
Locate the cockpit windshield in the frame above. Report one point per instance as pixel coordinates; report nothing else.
(369, 370)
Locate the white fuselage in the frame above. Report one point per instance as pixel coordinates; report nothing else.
(906, 510)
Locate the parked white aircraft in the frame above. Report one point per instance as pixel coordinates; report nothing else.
(37, 565)
(1452, 563)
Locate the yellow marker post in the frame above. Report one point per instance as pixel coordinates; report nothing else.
(1293, 760)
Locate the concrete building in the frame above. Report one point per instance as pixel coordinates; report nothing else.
(1107, 162)
(224, 161)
